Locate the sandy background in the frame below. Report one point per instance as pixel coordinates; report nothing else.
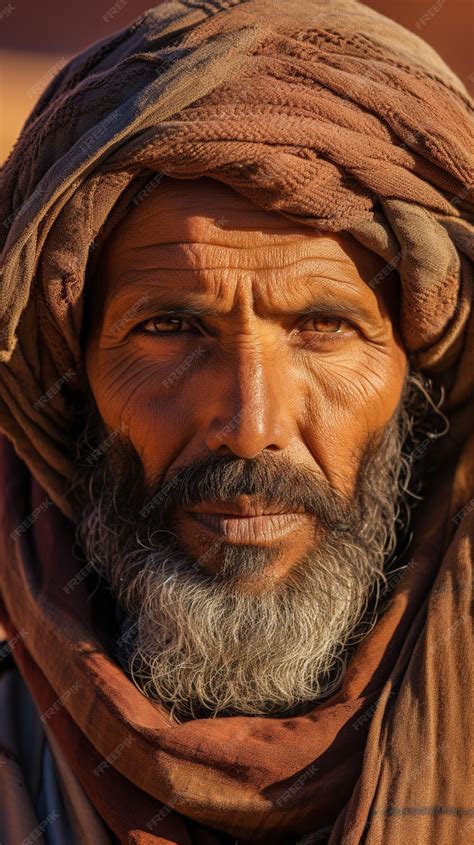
(37, 38)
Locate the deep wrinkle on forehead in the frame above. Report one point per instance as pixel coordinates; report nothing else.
(174, 252)
(288, 289)
(192, 299)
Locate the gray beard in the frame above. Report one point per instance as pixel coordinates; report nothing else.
(202, 644)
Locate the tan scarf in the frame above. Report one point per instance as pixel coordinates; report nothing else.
(338, 118)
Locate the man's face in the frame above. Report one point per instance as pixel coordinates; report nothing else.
(221, 330)
(249, 410)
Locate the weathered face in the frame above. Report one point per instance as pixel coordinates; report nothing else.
(226, 330)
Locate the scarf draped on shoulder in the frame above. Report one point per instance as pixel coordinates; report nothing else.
(336, 117)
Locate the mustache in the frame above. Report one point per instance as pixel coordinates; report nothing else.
(275, 482)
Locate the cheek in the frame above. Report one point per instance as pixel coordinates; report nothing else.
(138, 395)
(349, 398)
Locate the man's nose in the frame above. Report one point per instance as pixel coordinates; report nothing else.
(250, 407)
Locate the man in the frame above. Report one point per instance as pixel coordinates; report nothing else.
(278, 408)
(235, 356)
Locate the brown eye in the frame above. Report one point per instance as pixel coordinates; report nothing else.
(163, 325)
(328, 325)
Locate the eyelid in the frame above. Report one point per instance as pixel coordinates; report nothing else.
(168, 315)
(316, 314)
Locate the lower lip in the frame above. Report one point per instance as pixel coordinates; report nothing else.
(251, 529)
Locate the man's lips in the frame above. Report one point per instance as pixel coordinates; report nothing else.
(248, 523)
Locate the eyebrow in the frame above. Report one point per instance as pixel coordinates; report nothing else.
(166, 301)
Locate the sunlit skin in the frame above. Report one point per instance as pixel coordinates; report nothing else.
(292, 352)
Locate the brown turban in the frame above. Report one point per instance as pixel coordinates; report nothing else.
(336, 117)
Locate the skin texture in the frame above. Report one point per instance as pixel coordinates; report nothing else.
(257, 376)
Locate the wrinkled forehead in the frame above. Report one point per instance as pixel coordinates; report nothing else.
(206, 213)
(203, 225)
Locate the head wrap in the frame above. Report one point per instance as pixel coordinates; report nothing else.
(338, 118)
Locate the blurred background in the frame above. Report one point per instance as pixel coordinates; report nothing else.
(37, 38)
